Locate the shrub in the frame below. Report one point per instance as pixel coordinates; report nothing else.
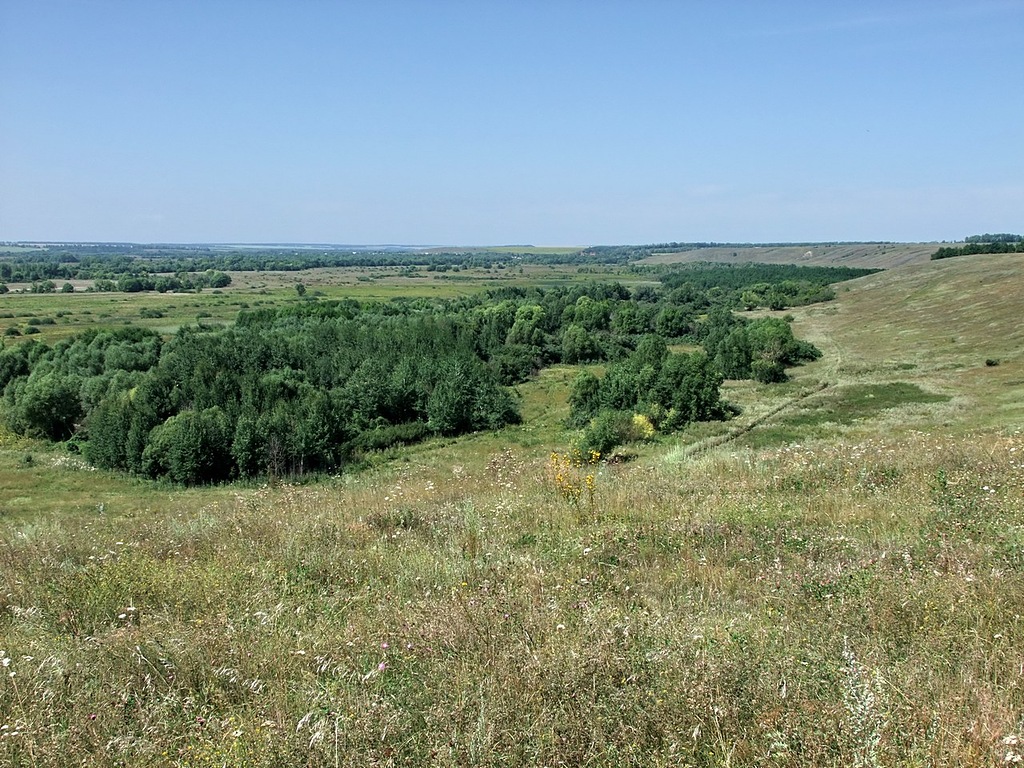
(608, 430)
(767, 371)
(391, 435)
(640, 428)
(47, 406)
(191, 447)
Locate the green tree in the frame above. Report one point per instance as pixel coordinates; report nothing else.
(733, 354)
(579, 346)
(584, 398)
(608, 430)
(672, 322)
(689, 387)
(191, 447)
(48, 406)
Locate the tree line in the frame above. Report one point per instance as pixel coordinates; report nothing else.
(111, 263)
(1000, 238)
(974, 249)
(316, 385)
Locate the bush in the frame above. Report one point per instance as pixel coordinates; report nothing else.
(391, 435)
(47, 406)
(191, 447)
(767, 371)
(608, 430)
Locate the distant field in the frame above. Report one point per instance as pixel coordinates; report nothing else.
(17, 249)
(556, 250)
(55, 316)
(864, 255)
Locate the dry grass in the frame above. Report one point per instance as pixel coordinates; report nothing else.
(863, 255)
(853, 597)
(815, 605)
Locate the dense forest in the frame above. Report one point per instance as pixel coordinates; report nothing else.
(316, 385)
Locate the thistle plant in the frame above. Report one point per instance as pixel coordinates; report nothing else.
(865, 708)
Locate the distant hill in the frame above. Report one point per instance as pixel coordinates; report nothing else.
(865, 255)
(953, 326)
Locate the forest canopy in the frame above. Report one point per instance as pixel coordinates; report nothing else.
(318, 384)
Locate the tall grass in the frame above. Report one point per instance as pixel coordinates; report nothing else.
(846, 603)
(827, 586)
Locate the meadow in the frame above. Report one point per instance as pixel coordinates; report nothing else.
(50, 317)
(867, 255)
(834, 577)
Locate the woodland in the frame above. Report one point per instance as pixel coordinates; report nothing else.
(312, 388)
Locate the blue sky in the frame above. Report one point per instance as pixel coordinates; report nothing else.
(485, 122)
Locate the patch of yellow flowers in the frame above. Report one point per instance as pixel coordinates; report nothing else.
(574, 474)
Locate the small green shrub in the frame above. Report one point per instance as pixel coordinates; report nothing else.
(608, 430)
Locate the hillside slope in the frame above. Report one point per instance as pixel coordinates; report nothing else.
(863, 255)
(941, 324)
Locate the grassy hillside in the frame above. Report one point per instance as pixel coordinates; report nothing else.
(861, 255)
(834, 578)
(941, 325)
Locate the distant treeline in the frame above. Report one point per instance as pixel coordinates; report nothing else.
(313, 386)
(1001, 238)
(773, 286)
(111, 263)
(63, 265)
(976, 247)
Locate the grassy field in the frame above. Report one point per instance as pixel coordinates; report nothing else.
(833, 578)
(54, 316)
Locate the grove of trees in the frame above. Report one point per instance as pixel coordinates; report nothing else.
(316, 385)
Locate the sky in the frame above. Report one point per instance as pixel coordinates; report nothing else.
(487, 122)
